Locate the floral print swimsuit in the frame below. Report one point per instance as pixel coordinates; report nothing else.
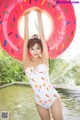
(44, 92)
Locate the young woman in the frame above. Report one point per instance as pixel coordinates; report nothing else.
(35, 59)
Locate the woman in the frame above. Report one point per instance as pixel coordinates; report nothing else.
(35, 59)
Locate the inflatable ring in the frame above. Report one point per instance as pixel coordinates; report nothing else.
(64, 24)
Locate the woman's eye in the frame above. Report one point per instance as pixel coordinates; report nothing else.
(32, 49)
(38, 48)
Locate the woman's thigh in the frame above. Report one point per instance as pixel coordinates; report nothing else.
(44, 113)
(56, 109)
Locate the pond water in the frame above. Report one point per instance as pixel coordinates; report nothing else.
(19, 102)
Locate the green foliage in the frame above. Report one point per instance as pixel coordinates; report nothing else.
(64, 73)
(11, 70)
(57, 67)
(74, 74)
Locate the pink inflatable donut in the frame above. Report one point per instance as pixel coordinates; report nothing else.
(62, 15)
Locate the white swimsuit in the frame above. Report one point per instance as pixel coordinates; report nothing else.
(44, 92)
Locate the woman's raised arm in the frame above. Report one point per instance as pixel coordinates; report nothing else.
(41, 33)
(26, 37)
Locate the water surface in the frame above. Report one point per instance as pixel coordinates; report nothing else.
(19, 101)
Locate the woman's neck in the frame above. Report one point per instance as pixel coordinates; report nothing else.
(35, 59)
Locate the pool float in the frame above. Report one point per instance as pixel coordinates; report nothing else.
(62, 17)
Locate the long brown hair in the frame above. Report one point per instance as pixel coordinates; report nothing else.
(32, 41)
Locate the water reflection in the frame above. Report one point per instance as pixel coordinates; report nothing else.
(19, 101)
(71, 100)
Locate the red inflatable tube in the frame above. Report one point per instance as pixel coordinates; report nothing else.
(63, 24)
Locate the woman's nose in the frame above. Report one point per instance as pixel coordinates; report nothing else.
(35, 51)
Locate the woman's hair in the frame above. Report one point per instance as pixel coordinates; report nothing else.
(32, 41)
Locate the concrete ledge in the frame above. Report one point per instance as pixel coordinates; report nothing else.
(15, 83)
(55, 86)
(67, 87)
(6, 85)
(23, 83)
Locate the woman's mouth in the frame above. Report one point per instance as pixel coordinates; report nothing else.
(35, 54)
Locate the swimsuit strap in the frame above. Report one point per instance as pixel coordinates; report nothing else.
(42, 59)
(28, 62)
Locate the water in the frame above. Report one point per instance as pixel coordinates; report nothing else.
(71, 104)
(19, 101)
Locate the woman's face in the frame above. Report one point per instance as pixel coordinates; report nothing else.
(35, 50)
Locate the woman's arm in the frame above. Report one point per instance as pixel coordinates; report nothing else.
(26, 37)
(41, 33)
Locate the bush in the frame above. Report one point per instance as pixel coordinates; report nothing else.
(11, 70)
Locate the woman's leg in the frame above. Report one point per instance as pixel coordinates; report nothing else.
(56, 110)
(44, 113)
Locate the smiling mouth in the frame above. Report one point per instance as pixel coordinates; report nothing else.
(35, 54)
